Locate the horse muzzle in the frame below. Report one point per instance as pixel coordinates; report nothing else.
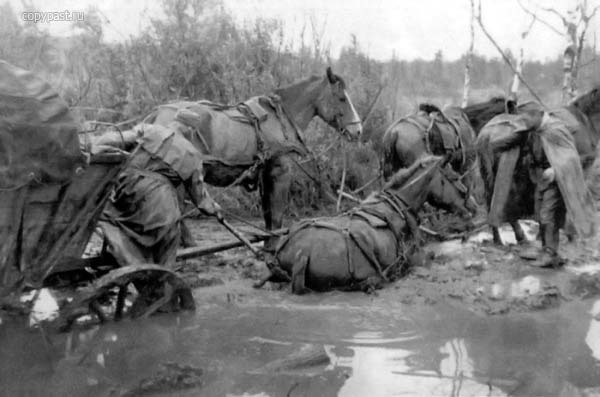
(352, 131)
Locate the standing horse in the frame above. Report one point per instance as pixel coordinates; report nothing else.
(582, 119)
(252, 143)
(432, 131)
(371, 243)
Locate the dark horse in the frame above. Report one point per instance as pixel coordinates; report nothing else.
(581, 117)
(432, 131)
(371, 243)
(252, 143)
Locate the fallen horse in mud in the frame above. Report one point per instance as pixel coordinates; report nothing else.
(373, 243)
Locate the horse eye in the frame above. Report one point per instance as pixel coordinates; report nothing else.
(343, 99)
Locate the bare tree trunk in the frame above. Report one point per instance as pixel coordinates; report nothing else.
(504, 56)
(514, 89)
(469, 60)
(575, 25)
(569, 88)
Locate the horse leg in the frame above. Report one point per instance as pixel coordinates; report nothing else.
(299, 275)
(276, 275)
(519, 233)
(276, 181)
(496, 236)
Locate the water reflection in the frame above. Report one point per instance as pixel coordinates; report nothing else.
(390, 351)
(554, 354)
(390, 371)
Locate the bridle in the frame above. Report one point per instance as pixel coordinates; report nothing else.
(343, 129)
(456, 181)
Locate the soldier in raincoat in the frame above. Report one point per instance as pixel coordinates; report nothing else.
(556, 173)
(141, 221)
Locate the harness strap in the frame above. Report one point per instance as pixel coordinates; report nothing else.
(282, 114)
(255, 122)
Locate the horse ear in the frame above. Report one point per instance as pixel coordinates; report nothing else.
(330, 76)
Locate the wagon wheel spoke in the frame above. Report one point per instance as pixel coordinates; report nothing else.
(120, 302)
(158, 288)
(160, 302)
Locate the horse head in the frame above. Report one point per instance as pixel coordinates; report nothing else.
(447, 191)
(335, 107)
(480, 113)
(589, 104)
(431, 179)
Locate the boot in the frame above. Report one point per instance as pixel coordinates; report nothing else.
(531, 251)
(549, 256)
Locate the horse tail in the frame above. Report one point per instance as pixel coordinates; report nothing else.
(391, 161)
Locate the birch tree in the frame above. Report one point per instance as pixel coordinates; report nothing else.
(572, 25)
(469, 60)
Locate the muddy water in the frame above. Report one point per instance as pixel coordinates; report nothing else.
(246, 342)
(372, 347)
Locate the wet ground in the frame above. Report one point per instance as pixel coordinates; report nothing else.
(474, 321)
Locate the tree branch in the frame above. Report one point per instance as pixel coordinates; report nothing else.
(585, 19)
(543, 22)
(558, 14)
(506, 59)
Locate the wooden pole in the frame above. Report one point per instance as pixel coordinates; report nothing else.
(195, 252)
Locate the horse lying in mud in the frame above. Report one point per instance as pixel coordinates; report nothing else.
(251, 144)
(433, 131)
(371, 244)
(582, 119)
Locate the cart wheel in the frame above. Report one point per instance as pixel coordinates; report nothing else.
(159, 289)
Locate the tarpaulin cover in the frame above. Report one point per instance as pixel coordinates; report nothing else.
(559, 147)
(562, 155)
(142, 218)
(169, 145)
(38, 135)
(506, 130)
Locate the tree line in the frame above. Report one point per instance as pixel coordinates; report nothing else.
(197, 51)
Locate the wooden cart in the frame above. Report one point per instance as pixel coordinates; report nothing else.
(44, 230)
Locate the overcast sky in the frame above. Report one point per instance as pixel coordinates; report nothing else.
(409, 28)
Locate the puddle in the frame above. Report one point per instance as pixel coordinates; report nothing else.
(376, 347)
(246, 342)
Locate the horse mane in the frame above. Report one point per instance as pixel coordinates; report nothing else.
(307, 81)
(429, 107)
(403, 175)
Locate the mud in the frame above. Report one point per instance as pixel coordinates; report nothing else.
(475, 275)
(475, 320)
